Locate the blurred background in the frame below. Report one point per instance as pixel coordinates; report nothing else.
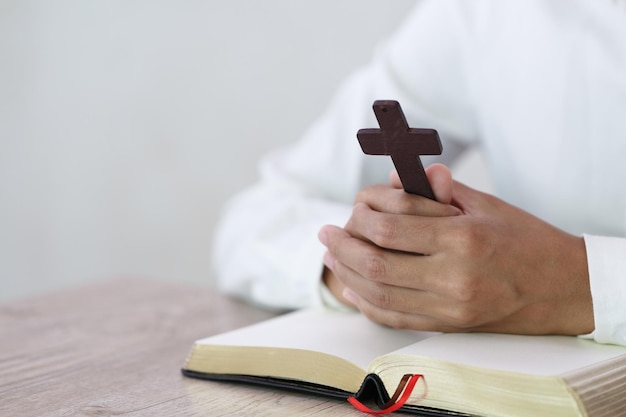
(125, 125)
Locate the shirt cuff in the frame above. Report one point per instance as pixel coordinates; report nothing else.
(606, 259)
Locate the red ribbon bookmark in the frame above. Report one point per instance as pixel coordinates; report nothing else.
(399, 398)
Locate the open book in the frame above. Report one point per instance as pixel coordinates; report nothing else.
(342, 354)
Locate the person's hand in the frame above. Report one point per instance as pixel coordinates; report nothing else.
(439, 177)
(476, 264)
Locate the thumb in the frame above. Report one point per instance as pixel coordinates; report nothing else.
(439, 177)
(394, 179)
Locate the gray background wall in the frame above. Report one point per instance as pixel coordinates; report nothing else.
(122, 123)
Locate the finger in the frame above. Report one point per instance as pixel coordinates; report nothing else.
(396, 319)
(396, 201)
(386, 282)
(371, 268)
(334, 285)
(381, 294)
(394, 179)
(440, 179)
(375, 288)
(443, 316)
(406, 233)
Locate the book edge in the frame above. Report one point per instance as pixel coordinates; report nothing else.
(372, 389)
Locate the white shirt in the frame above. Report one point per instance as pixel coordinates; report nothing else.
(539, 85)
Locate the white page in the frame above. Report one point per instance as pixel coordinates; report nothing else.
(355, 338)
(348, 335)
(539, 355)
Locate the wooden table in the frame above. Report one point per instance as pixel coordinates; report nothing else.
(116, 349)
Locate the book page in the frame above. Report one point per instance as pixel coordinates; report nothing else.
(538, 355)
(348, 335)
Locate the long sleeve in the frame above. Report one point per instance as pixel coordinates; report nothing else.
(266, 247)
(545, 102)
(606, 258)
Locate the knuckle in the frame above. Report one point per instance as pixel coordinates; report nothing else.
(465, 294)
(374, 267)
(473, 241)
(464, 289)
(385, 232)
(366, 194)
(363, 194)
(463, 317)
(381, 297)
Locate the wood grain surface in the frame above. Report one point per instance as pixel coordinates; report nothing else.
(116, 349)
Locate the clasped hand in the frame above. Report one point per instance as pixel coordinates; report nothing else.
(466, 262)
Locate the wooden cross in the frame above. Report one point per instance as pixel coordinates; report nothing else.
(405, 145)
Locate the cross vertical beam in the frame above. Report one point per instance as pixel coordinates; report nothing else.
(405, 145)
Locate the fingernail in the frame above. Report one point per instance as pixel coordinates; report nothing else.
(323, 236)
(349, 295)
(329, 260)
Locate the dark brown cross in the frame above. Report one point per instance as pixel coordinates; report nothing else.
(403, 143)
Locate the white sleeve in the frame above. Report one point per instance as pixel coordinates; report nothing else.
(606, 259)
(266, 248)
